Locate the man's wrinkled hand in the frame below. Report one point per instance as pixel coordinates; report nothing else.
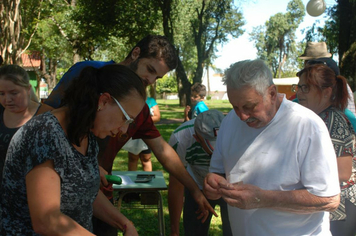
(211, 186)
(243, 196)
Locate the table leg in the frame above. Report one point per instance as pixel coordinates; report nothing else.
(160, 214)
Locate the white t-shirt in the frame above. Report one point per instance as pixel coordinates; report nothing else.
(293, 151)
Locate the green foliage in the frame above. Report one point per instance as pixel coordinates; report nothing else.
(275, 41)
(213, 23)
(167, 84)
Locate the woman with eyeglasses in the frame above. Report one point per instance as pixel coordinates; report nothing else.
(320, 90)
(51, 175)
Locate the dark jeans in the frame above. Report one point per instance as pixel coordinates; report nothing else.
(193, 226)
(345, 227)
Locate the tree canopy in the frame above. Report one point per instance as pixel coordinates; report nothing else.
(275, 41)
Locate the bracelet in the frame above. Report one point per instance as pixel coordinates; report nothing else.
(125, 228)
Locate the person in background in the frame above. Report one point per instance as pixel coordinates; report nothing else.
(194, 142)
(318, 51)
(323, 92)
(151, 58)
(332, 65)
(145, 155)
(197, 96)
(273, 162)
(17, 107)
(53, 157)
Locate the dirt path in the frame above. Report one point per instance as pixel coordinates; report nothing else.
(170, 121)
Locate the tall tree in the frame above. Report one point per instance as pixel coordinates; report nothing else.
(169, 15)
(198, 26)
(275, 41)
(18, 24)
(214, 22)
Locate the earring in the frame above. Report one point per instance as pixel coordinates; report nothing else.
(99, 108)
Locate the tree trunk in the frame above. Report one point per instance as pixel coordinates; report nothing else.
(10, 31)
(208, 80)
(198, 72)
(184, 92)
(345, 14)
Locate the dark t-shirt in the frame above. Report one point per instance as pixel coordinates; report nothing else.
(5, 138)
(41, 139)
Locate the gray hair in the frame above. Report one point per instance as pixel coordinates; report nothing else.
(252, 73)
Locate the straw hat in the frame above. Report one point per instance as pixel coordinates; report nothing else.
(315, 50)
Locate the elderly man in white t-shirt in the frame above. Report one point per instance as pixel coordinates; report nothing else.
(273, 163)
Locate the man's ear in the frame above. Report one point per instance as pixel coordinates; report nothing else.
(272, 91)
(135, 53)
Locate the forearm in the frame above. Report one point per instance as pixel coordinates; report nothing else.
(156, 118)
(105, 211)
(186, 113)
(56, 223)
(298, 201)
(175, 203)
(172, 163)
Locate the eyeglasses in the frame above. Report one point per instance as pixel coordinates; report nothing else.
(129, 120)
(304, 87)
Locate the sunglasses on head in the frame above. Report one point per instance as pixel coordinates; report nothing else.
(316, 62)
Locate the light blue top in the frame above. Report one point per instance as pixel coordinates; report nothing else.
(151, 102)
(200, 107)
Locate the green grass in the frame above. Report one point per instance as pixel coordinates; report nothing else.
(146, 221)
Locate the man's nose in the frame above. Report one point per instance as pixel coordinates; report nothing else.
(242, 115)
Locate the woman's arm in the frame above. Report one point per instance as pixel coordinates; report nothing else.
(344, 166)
(107, 212)
(44, 198)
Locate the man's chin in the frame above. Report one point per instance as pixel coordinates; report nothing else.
(254, 124)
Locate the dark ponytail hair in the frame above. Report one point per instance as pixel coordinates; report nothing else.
(340, 93)
(83, 94)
